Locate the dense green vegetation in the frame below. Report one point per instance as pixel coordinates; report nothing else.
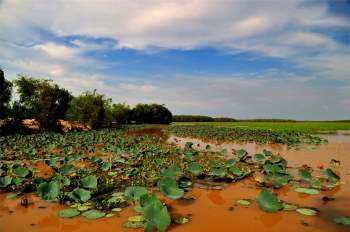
(306, 127)
(47, 102)
(101, 172)
(262, 136)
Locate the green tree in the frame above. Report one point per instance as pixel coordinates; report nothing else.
(88, 108)
(5, 95)
(42, 100)
(122, 113)
(151, 113)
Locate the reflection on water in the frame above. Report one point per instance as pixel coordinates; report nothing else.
(212, 210)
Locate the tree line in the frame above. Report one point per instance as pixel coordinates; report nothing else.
(201, 118)
(48, 102)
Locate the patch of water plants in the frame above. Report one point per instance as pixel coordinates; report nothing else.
(239, 135)
(97, 174)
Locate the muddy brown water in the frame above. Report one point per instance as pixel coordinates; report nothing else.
(213, 210)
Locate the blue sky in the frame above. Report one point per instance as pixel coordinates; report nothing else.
(242, 59)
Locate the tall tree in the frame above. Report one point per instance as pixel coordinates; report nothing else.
(88, 108)
(42, 100)
(5, 95)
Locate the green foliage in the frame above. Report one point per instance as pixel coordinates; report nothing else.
(88, 108)
(49, 191)
(135, 192)
(68, 213)
(5, 95)
(89, 182)
(42, 100)
(345, 221)
(268, 201)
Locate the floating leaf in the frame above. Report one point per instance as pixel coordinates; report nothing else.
(5, 181)
(345, 221)
(80, 194)
(259, 157)
(49, 191)
(306, 211)
(93, 214)
(68, 213)
(117, 209)
(236, 171)
(310, 191)
(17, 181)
(268, 201)
(195, 168)
(244, 202)
(106, 166)
(289, 207)
(109, 215)
(66, 170)
(332, 177)
(169, 188)
(181, 220)
(133, 225)
(138, 218)
(305, 175)
(135, 192)
(156, 215)
(241, 153)
(21, 171)
(89, 182)
(218, 171)
(229, 163)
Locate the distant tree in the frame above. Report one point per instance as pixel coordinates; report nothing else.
(5, 95)
(122, 113)
(88, 108)
(42, 100)
(153, 113)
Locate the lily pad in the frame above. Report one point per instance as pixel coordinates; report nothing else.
(156, 215)
(21, 171)
(49, 191)
(5, 181)
(241, 153)
(332, 177)
(195, 168)
(138, 218)
(268, 201)
(80, 194)
(289, 207)
(244, 202)
(93, 214)
(89, 182)
(345, 221)
(68, 213)
(236, 171)
(305, 175)
(66, 170)
(229, 163)
(259, 157)
(106, 166)
(133, 225)
(310, 191)
(306, 211)
(169, 188)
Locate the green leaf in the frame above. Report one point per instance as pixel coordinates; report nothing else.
(49, 191)
(195, 168)
(218, 171)
(332, 177)
(133, 225)
(306, 211)
(229, 163)
(21, 171)
(5, 181)
(345, 221)
(289, 207)
(305, 175)
(181, 220)
(259, 157)
(138, 218)
(135, 192)
(93, 214)
(169, 188)
(244, 202)
(236, 171)
(156, 215)
(89, 182)
(310, 191)
(268, 201)
(68, 213)
(66, 170)
(106, 166)
(17, 181)
(80, 194)
(241, 153)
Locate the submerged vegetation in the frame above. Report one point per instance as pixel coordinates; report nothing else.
(261, 136)
(99, 173)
